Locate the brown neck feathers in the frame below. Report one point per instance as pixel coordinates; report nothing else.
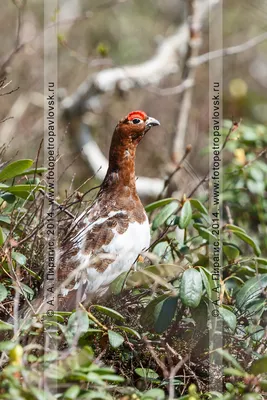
(121, 170)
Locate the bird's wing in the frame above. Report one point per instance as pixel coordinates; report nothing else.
(90, 247)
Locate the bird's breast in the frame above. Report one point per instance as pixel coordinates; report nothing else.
(115, 257)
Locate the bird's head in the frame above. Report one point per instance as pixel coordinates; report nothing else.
(135, 125)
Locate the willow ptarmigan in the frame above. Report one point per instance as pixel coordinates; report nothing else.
(115, 230)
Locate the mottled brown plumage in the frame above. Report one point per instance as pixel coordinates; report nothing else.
(109, 236)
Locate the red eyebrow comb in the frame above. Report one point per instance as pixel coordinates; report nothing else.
(137, 114)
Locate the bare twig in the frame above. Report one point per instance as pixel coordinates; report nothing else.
(196, 61)
(156, 358)
(18, 46)
(173, 373)
(256, 158)
(62, 208)
(178, 167)
(6, 119)
(11, 91)
(233, 127)
(163, 63)
(229, 216)
(186, 84)
(37, 157)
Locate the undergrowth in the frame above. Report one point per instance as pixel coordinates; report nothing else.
(167, 328)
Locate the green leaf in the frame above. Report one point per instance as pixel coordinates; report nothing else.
(248, 240)
(186, 215)
(130, 331)
(172, 220)
(32, 273)
(164, 312)
(96, 395)
(203, 261)
(229, 386)
(19, 258)
(200, 315)
(263, 384)
(149, 314)
(33, 171)
(146, 373)
(54, 371)
(115, 339)
(3, 292)
(154, 394)
(167, 271)
(256, 173)
(39, 394)
(4, 326)
(249, 134)
(231, 251)
(78, 324)
(101, 370)
(26, 195)
(261, 264)
(159, 203)
(88, 334)
(204, 232)
(251, 290)
(234, 228)
(256, 332)
(8, 197)
(7, 345)
(163, 251)
(110, 312)
(256, 307)
(27, 290)
(164, 214)
(57, 318)
(205, 281)
(72, 393)
(159, 274)
(2, 237)
(15, 168)
(5, 219)
(23, 191)
(234, 372)
(79, 376)
(20, 188)
(257, 187)
(229, 317)
(199, 206)
(252, 396)
(112, 378)
(191, 288)
(228, 357)
(117, 285)
(261, 260)
(50, 356)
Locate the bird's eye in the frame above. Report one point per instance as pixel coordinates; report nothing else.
(136, 121)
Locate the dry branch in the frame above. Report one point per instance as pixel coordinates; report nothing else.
(163, 63)
(151, 72)
(240, 48)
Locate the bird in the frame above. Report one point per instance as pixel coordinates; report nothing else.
(111, 234)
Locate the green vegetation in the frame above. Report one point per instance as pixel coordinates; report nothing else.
(151, 338)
